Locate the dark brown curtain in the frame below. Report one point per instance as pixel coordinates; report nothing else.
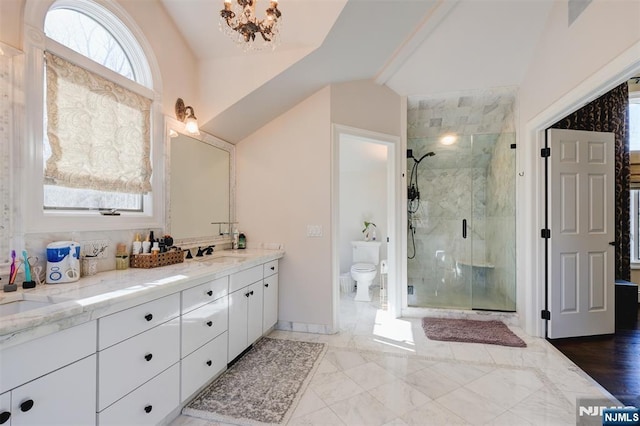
(609, 113)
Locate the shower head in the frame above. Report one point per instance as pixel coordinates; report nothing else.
(428, 154)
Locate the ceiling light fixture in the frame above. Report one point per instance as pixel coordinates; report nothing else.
(188, 116)
(448, 139)
(238, 20)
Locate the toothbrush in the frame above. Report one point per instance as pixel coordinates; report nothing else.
(27, 267)
(12, 273)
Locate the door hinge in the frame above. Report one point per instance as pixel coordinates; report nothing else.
(513, 146)
(545, 152)
(545, 315)
(545, 233)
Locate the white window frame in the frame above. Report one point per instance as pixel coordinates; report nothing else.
(36, 218)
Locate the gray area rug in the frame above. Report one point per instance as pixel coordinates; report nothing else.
(471, 331)
(263, 387)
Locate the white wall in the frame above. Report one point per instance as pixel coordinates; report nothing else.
(283, 184)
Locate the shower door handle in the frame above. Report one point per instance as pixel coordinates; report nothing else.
(464, 228)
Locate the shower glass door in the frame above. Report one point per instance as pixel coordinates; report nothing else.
(462, 226)
(440, 225)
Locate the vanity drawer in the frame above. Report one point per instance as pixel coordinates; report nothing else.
(204, 293)
(203, 324)
(244, 278)
(147, 405)
(270, 268)
(125, 366)
(117, 327)
(202, 365)
(45, 354)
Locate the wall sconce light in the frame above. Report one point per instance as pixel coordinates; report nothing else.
(188, 117)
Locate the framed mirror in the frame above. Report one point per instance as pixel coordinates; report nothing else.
(200, 188)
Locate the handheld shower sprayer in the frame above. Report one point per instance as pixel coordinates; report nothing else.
(413, 194)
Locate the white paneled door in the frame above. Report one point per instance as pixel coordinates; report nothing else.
(581, 220)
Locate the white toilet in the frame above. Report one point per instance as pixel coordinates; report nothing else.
(366, 255)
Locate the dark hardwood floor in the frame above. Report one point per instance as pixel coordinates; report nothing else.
(613, 361)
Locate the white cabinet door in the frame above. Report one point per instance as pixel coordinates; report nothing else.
(5, 409)
(63, 397)
(254, 314)
(238, 308)
(270, 304)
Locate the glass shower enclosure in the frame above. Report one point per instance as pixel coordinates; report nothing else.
(461, 205)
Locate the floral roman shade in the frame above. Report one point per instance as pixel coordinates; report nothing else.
(99, 132)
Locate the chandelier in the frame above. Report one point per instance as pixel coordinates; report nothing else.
(238, 20)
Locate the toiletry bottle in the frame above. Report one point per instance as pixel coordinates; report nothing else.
(136, 247)
(151, 238)
(242, 241)
(235, 238)
(146, 246)
(155, 249)
(373, 235)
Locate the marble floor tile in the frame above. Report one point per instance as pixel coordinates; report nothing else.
(369, 375)
(323, 417)
(473, 408)
(363, 409)
(336, 390)
(309, 402)
(432, 413)
(399, 397)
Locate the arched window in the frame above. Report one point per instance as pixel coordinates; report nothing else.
(98, 126)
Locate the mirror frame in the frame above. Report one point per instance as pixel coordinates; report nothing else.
(172, 125)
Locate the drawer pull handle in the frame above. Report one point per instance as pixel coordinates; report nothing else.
(209, 363)
(266, 284)
(273, 268)
(26, 406)
(148, 357)
(210, 293)
(209, 323)
(4, 417)
(148, 409)
(148, 317)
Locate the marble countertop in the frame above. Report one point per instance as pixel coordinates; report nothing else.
(93, 297)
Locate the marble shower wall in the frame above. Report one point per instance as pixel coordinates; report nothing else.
(472, 179)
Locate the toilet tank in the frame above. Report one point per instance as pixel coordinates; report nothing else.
(366, 252)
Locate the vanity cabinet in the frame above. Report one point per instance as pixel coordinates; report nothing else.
(131, 363)
(58, 386)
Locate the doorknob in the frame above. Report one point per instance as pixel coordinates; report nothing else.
(612, 243)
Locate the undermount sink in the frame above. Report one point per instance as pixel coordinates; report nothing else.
(19, 306)
(19, 303)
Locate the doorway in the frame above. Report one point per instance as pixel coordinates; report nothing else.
(364, 189)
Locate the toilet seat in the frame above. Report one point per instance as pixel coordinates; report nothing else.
(363, 267)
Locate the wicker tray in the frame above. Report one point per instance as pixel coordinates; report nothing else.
(147, 261)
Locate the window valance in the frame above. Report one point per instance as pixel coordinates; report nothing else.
(99, 132)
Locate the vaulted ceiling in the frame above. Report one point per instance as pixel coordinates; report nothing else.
(415, 47)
